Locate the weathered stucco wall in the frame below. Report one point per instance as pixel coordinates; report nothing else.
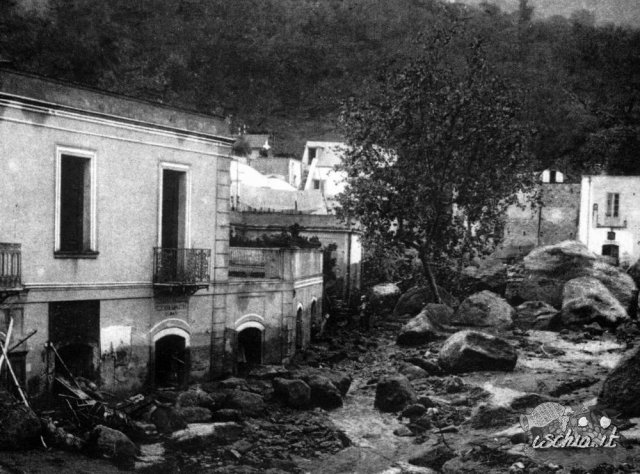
(329, 230)
(127, 155)
(555, 218)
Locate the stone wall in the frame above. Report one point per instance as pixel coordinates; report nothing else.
(554, 220)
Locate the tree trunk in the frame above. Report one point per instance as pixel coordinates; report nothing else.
(430, 278)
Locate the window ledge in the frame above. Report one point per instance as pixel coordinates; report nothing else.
(78, 255)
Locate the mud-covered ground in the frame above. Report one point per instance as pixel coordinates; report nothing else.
(357, 438)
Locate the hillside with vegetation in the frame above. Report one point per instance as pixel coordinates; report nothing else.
(287, 66)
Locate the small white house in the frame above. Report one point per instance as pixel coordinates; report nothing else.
(321, 159)
(610, 216)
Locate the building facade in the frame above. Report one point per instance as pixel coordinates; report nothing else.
(610, 217)
(114, 231)
(320, 158)
(546, 216)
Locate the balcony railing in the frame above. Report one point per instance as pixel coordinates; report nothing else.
(611, 222)
(181, 267)
(256, 262)
(10, 267)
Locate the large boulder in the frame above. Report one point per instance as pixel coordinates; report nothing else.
(248, 403)
(534, 315)
(619, 283)
(384, 296)
(414, 300)
(621, 388)
(294, 393)
(324, 393)
(634, 272)
(21, 427)
(394, 394)
(113, 444)
(490, 275)
(427, 326)
(471, 351)
(482, 310)
(341, 380)
(546, 269)
(586, 300)
(194, 414)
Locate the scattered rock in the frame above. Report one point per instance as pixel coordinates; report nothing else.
(484, 309)
(534, 315)
(384, 296)
(114, 445)
(414, 300)
(294, 393)
(412, 372)
(234, 383)
(324, 393)
(195, 398)
(487, 416)
(167, 420)
(426, 326)
(586, 300)
(458, 465)
(470, 351)
(490, 274)
(453, 385)
(341, 380)
(426, 402)
(194, 414)
(429, 366)
(413, 411)
(394, 394)
(528, 400)
(248, 403)
(621, 388)
(223, 431)
(403, 431)
(226, 414)
(433, 457)
(269, 372)
(21, 428)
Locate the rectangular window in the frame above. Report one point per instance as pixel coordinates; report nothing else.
(613, 205)
(75, 204)
(317, 184)
(312, 154)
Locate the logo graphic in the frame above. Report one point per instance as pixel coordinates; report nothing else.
(552, 425)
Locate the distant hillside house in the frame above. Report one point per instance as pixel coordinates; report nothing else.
(286, 168)
(259, 145)
(322, 158)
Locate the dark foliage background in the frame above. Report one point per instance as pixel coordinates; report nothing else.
(285, 66)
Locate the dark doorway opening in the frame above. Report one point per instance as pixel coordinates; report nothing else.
(299, 330)
(74, 329)
(249, 347)
(612, 251)
(171, 361)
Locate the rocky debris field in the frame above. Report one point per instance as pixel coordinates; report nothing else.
(462, 386)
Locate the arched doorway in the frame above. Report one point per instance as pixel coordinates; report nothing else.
(249, 347)
(299, 329)
(171, 361)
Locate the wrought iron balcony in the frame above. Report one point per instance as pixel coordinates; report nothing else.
(10, 270)
(184, 269)
(611, 222)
